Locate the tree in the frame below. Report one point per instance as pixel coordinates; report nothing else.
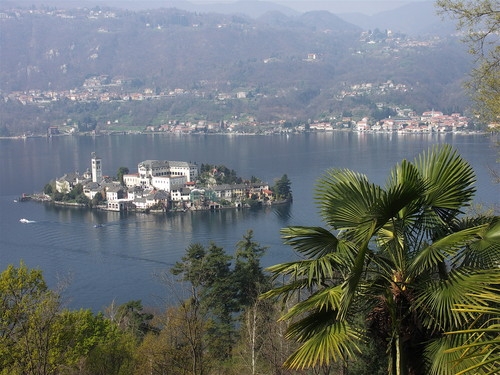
(210, 304)
(131, 317)
(119, 174)
(282, 188)
(37, 338)
(218, 298)
(113, 354)
(250, 281)
(190, 270)
(48, 189)
(403, 256)
(169, 350)
(27, 312)
(249, 277)
(80, 339)
(480, 20)
(98, 198)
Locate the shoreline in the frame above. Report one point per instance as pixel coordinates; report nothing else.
(282, 133)
(45, 199)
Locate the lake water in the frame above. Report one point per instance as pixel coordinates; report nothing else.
(122, 260)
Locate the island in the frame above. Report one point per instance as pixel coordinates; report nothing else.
(163, 186)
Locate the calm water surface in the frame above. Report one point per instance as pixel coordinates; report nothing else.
(121, 261)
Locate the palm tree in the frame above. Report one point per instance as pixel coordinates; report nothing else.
(400, 255)
(476, 348)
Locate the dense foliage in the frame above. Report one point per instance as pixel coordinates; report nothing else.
(218, 175)
(479, 20)
(218, 325)
(404, 257)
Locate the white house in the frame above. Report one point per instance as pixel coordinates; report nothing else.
(168, 183)
(163, 168)
(180, 195)
(114, 193)
(68, 182)
(91, 189)
(229, 192)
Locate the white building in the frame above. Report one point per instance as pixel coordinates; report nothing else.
(155, 168)
(162, 174)
(96, 168)
(180, 195)
(168, 183)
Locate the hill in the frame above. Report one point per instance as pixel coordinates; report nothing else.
(415, 19)
(211, 66)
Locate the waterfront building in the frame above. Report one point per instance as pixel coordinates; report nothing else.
(162, 174)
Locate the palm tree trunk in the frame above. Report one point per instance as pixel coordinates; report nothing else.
(398, 356)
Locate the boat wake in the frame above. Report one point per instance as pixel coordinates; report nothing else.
(26, 221)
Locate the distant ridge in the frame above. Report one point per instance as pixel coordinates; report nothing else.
(417, 18)
(411, 18)
(320, 20)
(251, 8)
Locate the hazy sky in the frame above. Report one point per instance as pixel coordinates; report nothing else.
(335, 6)
(368, 7)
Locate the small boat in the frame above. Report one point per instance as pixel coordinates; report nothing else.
(26, 221)
(98, 226)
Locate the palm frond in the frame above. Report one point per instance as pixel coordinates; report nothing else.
(441, 249)
(286, 290)
(311, 242)
(345, 198)
(326, 300)
(484, 252)
(352, 281)
(444, 362)
(450, 180)
(437, 299)
(335, 342)
(407, 175)
(478, 349)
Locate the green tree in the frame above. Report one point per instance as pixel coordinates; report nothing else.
(48, 189)
(249, 277)
(27, 311)
(75, 192)
(282, 188)
(82, 199)
(403, 256)
(218, 297)
(131, 317)
(98, 198)
(114, 352)
(480, 21)
(211, 300)
(167, 351)
(87, 123)
(37, 338)
(119, 174)
(77, 334)
(250, 281)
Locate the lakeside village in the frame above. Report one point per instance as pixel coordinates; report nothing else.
(162, 186)
(405, 121)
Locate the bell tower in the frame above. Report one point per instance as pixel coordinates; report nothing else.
(96, 168)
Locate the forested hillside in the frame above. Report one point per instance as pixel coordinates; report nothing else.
(279, 67)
